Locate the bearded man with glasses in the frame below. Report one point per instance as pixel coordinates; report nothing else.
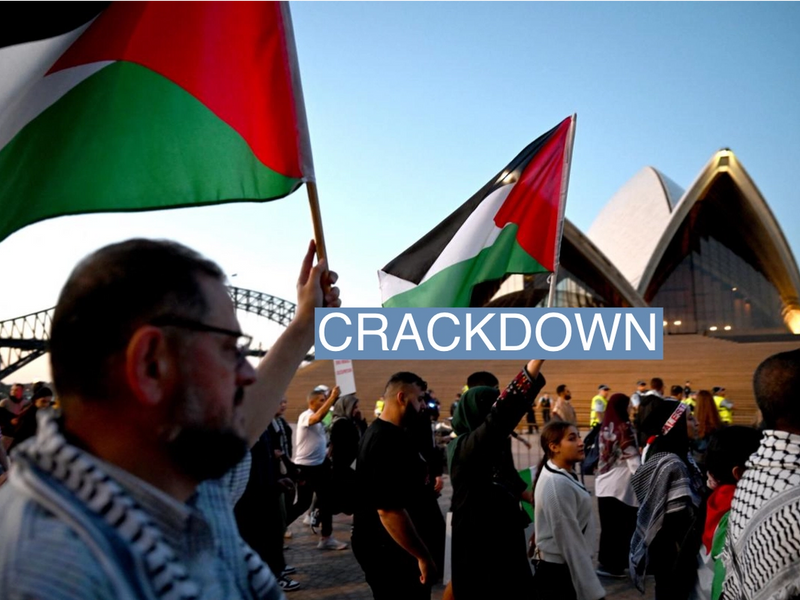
(130, 493)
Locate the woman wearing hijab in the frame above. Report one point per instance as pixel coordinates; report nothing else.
(616, 500)
(669, 488)
(345, 435)
(489, 556)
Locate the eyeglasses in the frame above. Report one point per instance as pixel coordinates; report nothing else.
(243, 341)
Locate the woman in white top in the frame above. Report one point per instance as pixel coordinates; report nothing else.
(566, 533)
(616, 500)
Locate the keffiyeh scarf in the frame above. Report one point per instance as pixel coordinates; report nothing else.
(762, 552)
(128, 545)
(663, 484)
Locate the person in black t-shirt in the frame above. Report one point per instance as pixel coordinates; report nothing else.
(391, 479)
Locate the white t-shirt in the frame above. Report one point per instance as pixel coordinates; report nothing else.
(310, 442)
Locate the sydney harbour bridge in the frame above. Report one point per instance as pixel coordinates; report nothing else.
(24, 339)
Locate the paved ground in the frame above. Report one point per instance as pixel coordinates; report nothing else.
(335, 575)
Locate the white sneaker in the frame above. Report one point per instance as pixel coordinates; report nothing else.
(331, 543)
(307, 519)
(288, 585)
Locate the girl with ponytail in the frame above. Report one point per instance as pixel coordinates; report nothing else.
(566, 533)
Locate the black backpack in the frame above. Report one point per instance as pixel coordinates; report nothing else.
(591, 447)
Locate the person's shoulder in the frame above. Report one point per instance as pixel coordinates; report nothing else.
(381, 433)
(43, 557)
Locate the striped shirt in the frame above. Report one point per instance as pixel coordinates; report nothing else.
(46, 558)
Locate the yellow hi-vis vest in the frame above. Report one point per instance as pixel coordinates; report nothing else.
(725, 414)
(593, 420)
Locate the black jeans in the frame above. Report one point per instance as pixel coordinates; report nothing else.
(553, 580)
(316, 479)
(391, 572)
(617, 524)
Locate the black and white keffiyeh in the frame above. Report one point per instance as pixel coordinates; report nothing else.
(762, 551)
(663, 484)
(71, 482)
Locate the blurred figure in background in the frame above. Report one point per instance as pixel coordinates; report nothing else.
(616, 500)
(708, 422)
(728, 452)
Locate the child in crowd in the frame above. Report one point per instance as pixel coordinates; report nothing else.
(728, 451)
(566, 533)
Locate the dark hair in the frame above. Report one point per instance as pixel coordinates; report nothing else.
(552, 433)
(405, 378)
(560, 389)
(110, 294)
(776, 383)
(675, 390)
(42, 392)
(656, 383)
(618, 405)
(482, 378)
(676, 440)
(706, 414)
(731, 447)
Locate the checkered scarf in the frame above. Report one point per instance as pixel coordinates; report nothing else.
(158, 572)
(663, 484)
(762, 551)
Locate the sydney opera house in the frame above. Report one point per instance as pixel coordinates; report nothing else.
(712, 256)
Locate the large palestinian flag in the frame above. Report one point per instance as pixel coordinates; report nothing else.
(146, 105)
(512, 225)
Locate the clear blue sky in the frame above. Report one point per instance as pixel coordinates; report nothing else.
(413, 106)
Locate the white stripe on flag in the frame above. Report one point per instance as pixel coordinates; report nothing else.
(40, 96)
(477, 232)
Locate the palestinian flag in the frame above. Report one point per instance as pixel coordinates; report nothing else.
(512, 225)
(146, 105)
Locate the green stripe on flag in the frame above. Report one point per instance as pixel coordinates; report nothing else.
(452, 286)
(126, 139)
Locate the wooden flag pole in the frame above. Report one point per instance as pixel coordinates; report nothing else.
(316, 219)
(551, 296)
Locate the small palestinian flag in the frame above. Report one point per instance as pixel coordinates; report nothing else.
(146, 105)
(512, 225)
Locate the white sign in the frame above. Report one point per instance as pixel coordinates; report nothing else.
(345, 378)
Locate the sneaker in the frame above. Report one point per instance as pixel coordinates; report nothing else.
(288, 535)
(288, 585)
(288, 570)
(307, 520)
(603, 573)
(331, 544)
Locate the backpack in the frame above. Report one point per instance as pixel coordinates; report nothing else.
(591, 447)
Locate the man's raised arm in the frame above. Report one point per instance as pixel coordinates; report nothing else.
(277, 368)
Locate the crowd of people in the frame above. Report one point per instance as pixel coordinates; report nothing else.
(170, 471)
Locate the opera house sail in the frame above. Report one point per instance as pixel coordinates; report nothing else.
(713, 257)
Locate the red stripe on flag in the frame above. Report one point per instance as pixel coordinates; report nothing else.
(232, 56)
(534, 200)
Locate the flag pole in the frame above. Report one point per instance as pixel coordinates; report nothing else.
(316, 219)
(551, 296)
(306, 158)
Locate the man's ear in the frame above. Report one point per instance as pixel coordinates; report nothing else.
(149, 365)
(737, 472)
